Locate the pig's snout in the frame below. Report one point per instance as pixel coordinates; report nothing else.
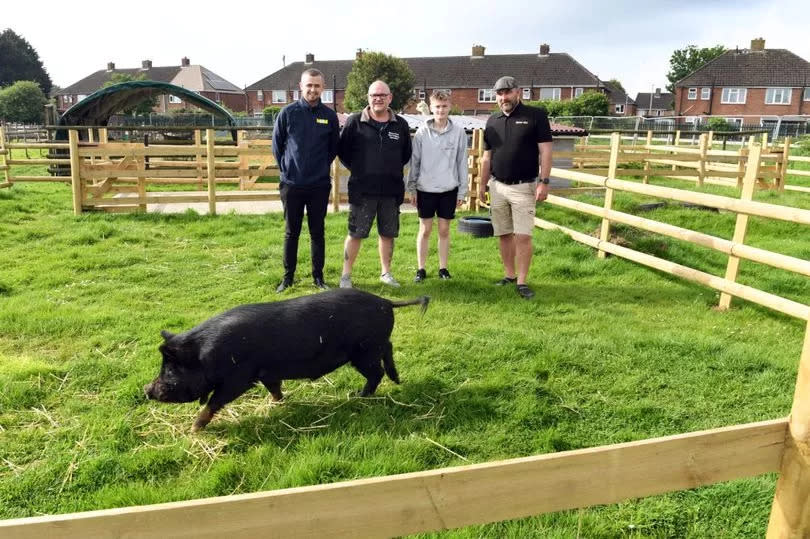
(149, 390)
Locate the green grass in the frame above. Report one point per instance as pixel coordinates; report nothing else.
(608, 352)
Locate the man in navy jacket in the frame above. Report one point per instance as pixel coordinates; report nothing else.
(375, 145)
(305, 142)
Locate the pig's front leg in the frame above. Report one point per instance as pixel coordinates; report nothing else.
(274, 387)
(224, 393)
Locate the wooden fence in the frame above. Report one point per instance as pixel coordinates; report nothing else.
(116, 177)
(488, 492)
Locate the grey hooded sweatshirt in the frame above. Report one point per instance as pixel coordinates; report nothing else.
(439, 160)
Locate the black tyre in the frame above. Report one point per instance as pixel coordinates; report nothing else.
(479, 227)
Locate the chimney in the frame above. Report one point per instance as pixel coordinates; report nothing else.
(658, 92)
(478, 51)
(110, 66)
(185, 62)
(758, 44)
(544, 49)
(146, 65)
(310, 58)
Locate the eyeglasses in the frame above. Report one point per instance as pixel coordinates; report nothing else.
(378, 96)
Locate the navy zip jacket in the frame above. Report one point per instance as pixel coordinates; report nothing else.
(305, 142)
(375, 156)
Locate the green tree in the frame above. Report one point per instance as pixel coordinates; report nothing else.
(19, 61)
(22, 102)
(686, 61)
(588, 104)
(145, 106)
(373, 66)
(616, 84)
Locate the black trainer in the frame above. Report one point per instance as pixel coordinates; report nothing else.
(421, 275)
(286, 283)
(444, 274)
(318, 282)
(524, 291)
(506, 280)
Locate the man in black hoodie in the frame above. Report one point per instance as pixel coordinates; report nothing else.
(375, 145)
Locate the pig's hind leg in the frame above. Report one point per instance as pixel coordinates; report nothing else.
(367, 362)
(273, 385)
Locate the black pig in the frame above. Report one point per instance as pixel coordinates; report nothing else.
(304, 337)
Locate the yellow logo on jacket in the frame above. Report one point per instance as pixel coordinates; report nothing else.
(322, 120)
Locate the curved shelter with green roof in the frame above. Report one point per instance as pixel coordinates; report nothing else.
(97, 108)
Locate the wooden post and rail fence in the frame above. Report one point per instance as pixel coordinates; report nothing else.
(520, 487)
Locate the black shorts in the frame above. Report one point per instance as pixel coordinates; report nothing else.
(441, 204)
(362, 214)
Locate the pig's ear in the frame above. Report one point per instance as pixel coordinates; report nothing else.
(167, 335)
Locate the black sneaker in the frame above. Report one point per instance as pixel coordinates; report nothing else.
(286, 283)
(318, 282)
(421, 275)
(506, 281)
(524, 291)
(444, 274)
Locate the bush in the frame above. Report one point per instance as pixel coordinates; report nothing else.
(588, 104)
(270, 112)
(718, 124)
(22, 102)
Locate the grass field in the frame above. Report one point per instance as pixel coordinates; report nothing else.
(607, 352)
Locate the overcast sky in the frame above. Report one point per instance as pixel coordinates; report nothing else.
(244, 41)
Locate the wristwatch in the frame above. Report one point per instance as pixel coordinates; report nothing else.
(545, 180)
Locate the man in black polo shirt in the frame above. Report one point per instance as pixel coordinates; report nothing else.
(517, 155)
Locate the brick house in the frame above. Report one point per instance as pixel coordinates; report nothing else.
(758, 82)
(544, 75)
(621, 104)
(196, 78)
(658, 103)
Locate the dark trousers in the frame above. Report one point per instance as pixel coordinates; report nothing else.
(315, 201)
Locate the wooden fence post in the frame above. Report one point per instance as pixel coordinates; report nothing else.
(704, 139)
(790, 512)
(677, 141)
(710, 139)
(604, 233)
(750, 181)
(140, 165)
(198, 156)
(785, 161)
(648, 145)
(335, 185)
(212, 195)
(75, 172)
(244, 164)
(478, 154)
(743, 156)
(5, 154)
(765, 142)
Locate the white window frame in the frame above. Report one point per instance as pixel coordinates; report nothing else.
(486, 95)
(259, 95)
(555, 94)
(527, 93)
(619, 109)
(578, 91)
(734, 96)
(705, 94)
(328, 96)
(174, 99)
(806, 96)
(735, 121)
(782, 93)
(80, 97)
(692, 94)
(296, 95)
(279, 96)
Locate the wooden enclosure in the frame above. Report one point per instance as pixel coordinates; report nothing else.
(488, 492)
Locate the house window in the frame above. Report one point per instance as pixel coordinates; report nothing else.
(806, 94)
(734, 122)
(296, 95)
(80, 97)
(259, 95)
(552, 94)
(692, 93)
(328, 96)
(527, 93)
(619, 109)
(578, 92)
(733, 96)
(419, 94)
(705, 94)
(174, 99)
(777, 96)
(486, 95)
(279, 96)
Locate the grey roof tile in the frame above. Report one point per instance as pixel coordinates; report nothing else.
(750, 69)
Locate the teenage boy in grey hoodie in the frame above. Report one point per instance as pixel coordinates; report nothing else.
(437, 181)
